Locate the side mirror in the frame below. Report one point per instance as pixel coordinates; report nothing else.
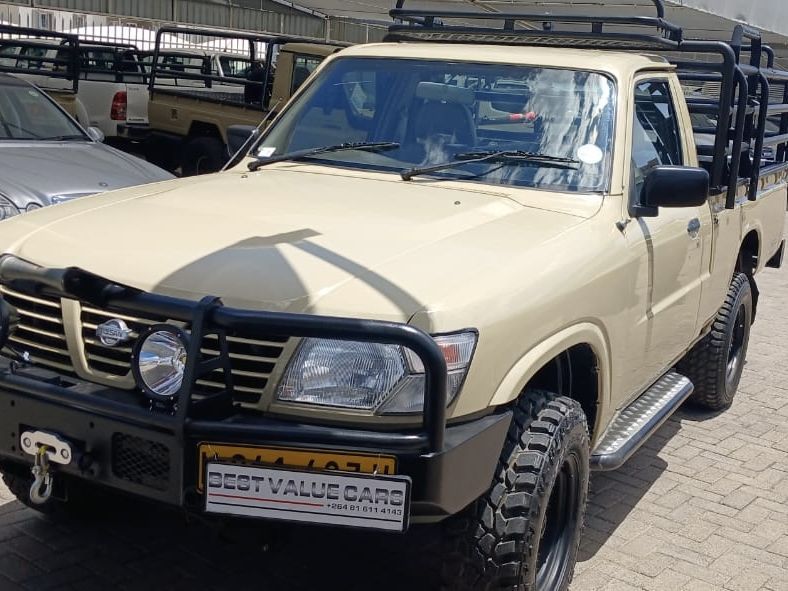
(671, 186)
(239, 136)
(96, 134)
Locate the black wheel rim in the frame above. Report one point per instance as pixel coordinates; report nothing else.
(559, 526)
(736, 349)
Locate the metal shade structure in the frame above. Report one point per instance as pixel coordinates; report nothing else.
(701, 19)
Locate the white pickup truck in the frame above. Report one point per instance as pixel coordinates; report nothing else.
(113, 89)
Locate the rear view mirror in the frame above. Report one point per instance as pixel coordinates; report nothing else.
(671, 186)
(239, 136)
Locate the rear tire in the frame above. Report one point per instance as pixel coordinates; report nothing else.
(203, 155)
(524, 533)
(715, 363)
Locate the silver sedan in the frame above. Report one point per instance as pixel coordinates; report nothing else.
(47, 158)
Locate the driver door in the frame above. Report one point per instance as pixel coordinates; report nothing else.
(669, 246)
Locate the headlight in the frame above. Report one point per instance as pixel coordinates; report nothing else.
(159, 361)
(7, 208)
(386, 379)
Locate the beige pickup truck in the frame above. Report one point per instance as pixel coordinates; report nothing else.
(460, 270)
(193, 102)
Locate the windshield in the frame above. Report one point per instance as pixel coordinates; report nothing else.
(26, 114)
(436, 111)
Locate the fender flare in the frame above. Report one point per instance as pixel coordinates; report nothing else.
(583, 333)
(206, 123)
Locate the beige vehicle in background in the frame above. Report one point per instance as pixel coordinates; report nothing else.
(47, 59)
(461, 269)
(194, 102)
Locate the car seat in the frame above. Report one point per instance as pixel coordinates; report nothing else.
(441, 123)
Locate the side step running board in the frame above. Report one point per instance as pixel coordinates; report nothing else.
(637, 422)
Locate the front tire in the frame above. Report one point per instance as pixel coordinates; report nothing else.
(524, 533)
(715, 363)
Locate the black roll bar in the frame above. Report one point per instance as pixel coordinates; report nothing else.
(271, 41)
(65, 68)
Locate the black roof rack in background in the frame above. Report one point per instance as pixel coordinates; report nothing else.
(64, 64)
(518, 28)
(741, 74)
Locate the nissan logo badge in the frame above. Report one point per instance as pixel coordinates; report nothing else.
(113, 332)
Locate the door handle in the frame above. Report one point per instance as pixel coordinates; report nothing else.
(693, 228)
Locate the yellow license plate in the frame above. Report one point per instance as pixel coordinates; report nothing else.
(295, 458)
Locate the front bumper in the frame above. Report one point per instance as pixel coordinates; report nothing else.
(120, 442)
(134, 131)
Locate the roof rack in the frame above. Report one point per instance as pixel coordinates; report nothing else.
(540, 28)
(63, 64)
(741, 70)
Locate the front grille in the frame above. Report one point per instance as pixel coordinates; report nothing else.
(140, 461)
(252, 359)
(40, 331)
(115, 361)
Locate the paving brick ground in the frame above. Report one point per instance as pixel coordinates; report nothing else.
(703, 506)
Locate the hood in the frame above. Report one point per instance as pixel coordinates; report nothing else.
(44, 173)
(290, 238)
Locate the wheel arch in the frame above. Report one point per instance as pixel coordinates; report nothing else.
(749, 258)
(206, 129)
(583, 351)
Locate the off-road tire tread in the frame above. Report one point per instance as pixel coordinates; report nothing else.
(707, 360)
(484, 545)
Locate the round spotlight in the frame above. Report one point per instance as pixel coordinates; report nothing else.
(159, 361)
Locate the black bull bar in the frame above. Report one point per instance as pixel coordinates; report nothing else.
(195, 418)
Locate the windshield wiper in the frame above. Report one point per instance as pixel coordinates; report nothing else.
(304, 154)
(497, 157)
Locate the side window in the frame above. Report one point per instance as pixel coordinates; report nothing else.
(655, 133)
(303, 66)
